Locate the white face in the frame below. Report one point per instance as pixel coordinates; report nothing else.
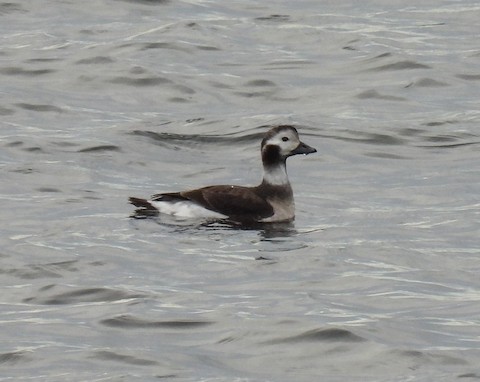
(287, 140)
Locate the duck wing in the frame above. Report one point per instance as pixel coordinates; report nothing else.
(233, 201)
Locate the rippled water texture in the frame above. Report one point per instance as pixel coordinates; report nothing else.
(377, 279)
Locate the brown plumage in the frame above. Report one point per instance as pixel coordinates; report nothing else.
(271, 201)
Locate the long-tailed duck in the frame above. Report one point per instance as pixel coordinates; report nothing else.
(271, 201)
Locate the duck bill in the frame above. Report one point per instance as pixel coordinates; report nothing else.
(304, 149)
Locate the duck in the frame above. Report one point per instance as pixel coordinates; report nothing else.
(270, 202)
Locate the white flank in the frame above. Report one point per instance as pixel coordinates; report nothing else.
(185, 209)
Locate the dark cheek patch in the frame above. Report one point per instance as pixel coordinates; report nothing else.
(271, 155)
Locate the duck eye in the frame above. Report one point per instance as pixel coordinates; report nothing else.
(284, 139)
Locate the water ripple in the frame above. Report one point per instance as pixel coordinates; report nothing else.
(85, 295)
(40, 271)
(13, 358)
(16, 71)
(327, 335)
(400, 65)
(191, 140)
(99, 148)
(122, 358)
(130, 322)
(140, 81)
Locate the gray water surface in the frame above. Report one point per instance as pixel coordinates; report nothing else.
(377, 279)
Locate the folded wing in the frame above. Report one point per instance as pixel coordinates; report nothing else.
(233, 201)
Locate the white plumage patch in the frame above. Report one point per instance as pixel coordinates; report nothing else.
(185, 209)
(276, 176)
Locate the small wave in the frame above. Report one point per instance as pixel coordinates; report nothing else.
(400, 65)
(451, 145)
(373, 94)
(470, 375)
(12, 358)
(260, 83)
(11, 7)
(127, 359)
(440, 123)
(326, 335)
(370, 138)
(193, 140)
(15, 71)
(207, 47)
(428, 357)
(469, 77)
(147, 2)
(126, 321)
(47, 189)
(6, 111)
(95, 60)
(40, 108)
(99, 148)
(274, 18)
(161, 45)
(140, 81)
(39, 271)
(385, 155)
(426, 83)
(85, 295)
(454, 140)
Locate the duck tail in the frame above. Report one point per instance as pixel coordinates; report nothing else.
(144, 208)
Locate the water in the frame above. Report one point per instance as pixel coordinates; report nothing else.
(377, 279)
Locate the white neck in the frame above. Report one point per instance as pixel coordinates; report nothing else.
(276, 175)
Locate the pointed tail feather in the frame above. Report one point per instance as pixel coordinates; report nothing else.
(145, 208)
